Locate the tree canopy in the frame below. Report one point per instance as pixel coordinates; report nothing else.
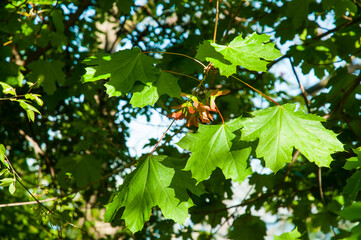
(261, 106)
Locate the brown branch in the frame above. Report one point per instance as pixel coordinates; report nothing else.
(233, 18)
(38, 150)
(294, 157)
(216, 22)
(155, 147)
(347, 24)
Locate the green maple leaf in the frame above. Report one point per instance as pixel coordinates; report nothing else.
(253, 52)
(247, 227)
(85, 169)
(146, 187)
(149, 94)
(48, 73)
(123, 68)
(354, 162)
(280, 128)
(211, 147)
(353, 185)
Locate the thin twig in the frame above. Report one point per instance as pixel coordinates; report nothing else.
(216, 22)
(178, 54)
(43, 206)
(220, 114)
(181, 74)
(304, 94)
(38, 151)
(264, 95)
(294, 157)
(233, 18)
(347, 24)
(27, 203)
(155, 147)
(320, 185)
(12, 168)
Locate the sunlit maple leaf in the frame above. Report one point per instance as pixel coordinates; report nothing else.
(149, 186)
(253, 52)
(212, 146)
(281, 128)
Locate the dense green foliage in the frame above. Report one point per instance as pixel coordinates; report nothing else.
(248, 140)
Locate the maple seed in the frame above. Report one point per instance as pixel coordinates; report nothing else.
(196, 110)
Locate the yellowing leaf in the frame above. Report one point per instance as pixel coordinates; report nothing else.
(281, 128)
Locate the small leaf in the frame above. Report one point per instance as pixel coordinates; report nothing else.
(149, 94)
(35, 97)
(353, 186)
(280, 129)
(29, 109)
(2, 153)
(12, 188)
(6, 182)
(295, 234)
(7, 89)
(354, 162)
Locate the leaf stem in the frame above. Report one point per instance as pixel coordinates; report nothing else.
(219, 112)
(264, 95)
(181, 74)
(155, 147)
(179, 54)
(216, 23)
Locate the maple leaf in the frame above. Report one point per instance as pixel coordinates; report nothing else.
(247, 227)
(353, 184)
(48, 73)
(280, 128)
(123, 68)
(253, 52)
(149, 94)
(85, 169)
(149, 186)
(211, 147)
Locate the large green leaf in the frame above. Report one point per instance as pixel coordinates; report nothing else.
(123, 68)
(48, 73)
(211, 147)
(253, 52)
(281, 128)
(149, 94)
(146, 187)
